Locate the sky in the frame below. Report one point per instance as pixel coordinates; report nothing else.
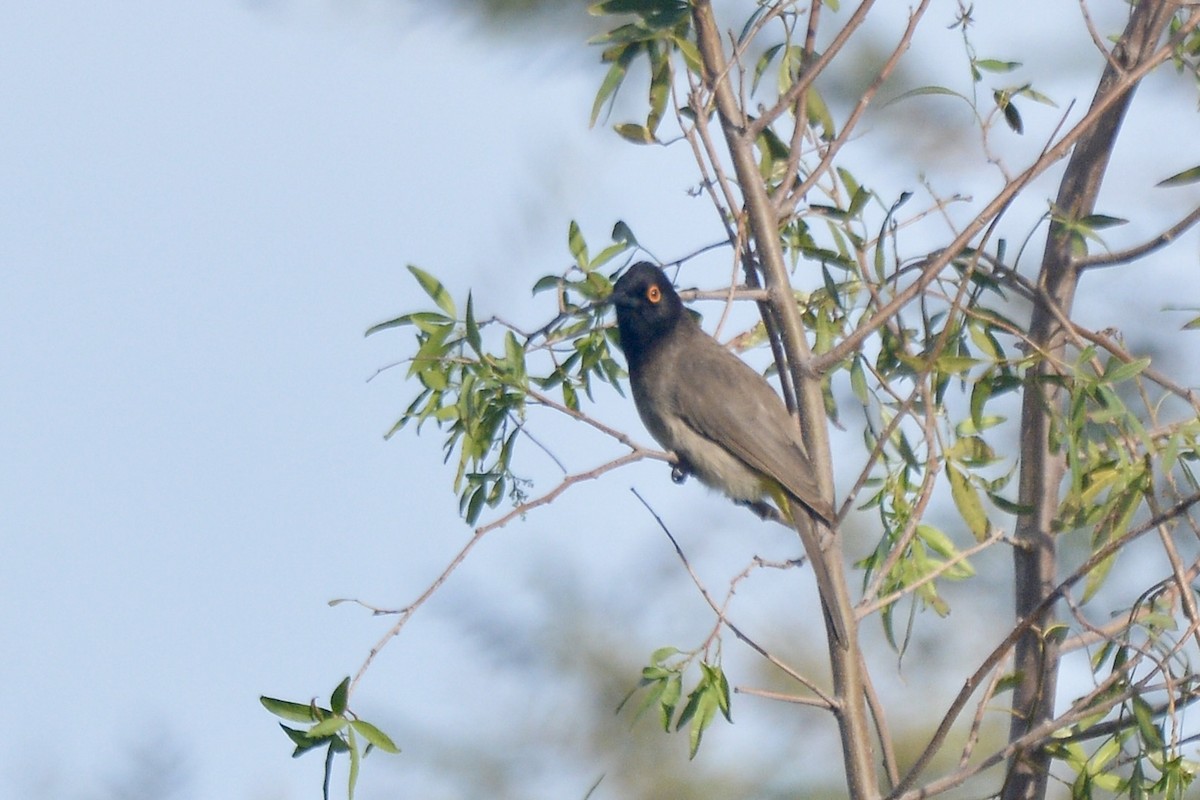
(205, 206)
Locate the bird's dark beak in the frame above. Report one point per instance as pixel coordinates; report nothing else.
(621, 300)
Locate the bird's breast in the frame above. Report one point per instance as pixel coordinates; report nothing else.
(711, 463)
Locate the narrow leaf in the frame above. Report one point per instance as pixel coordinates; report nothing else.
(638, 134)
(433, 287)
(327, 727)
(340, 696)
(612, 80)
(473, 337)
(296, 712)
(577, 245)
(1180, 178)
(375, 736)
(355, 759)
(1101, 221)
(1127, 371)
(966, 500)
(995, 65)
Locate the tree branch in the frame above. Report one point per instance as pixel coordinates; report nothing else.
(845, 657)
(1042, 462)
(1125, 256)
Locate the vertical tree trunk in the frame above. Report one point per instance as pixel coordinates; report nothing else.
(845, 658)
(1042, 466)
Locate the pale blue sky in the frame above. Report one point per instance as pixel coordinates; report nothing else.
(204, 206)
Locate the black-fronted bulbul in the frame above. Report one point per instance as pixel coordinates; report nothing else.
(720, 418)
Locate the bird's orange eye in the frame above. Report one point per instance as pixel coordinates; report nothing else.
(654, 294)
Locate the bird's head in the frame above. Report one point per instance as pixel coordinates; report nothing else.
(648, 308)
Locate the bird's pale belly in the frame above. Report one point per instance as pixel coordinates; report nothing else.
(712, 464)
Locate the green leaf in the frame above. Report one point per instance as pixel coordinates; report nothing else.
(690, 53)
(704, 709)
(433, 287)
(938, 541)
(663, 653)
(608, 254)
(1097, 576)
(547, 282)
(660, 87)
(764, 61)
(1101, 221)
(475, 505)
(375, 736)
(860, 198)
(1012, 117)
(720, 686)
(1180, 178)
(425, 320)
(352, 778)
(981, 392)
(819, 114)
(473, 337)
(621, 232)
(327, 727)
(613, 79)
(301, 740)
(994, 65)
(514, 356)
(966, 500)
(1126, 371)
(668, 699)
(953, 364)
(1149, 731)
(577, 245)
(631, 132)
(296, 712)
(337, 701)
(1036, 96)
(858, 380)
(924, 90)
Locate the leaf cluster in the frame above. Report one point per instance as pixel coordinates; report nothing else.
(336, 728)
(662, 681)
(476, 389)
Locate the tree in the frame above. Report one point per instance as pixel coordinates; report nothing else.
(925, 326)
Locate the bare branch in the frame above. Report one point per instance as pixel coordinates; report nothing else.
(811, 72)
(407, 611)
(1145, 248)
(821, 698)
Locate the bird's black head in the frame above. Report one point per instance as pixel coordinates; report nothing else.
(648, 308)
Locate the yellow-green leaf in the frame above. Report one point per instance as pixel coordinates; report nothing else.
(433, 287)
(966, 499)
(375, 736)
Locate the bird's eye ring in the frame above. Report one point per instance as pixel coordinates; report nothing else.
(654, 294)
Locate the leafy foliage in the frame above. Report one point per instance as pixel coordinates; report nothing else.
(662, 681)
(336, 729)
(926, 351)
(478, 394)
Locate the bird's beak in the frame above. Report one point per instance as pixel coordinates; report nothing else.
(621, 300)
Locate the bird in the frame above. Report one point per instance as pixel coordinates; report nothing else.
(718, 416)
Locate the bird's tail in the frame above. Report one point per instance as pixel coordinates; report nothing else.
(832, 591)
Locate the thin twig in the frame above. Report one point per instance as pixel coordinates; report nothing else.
(1125, 256)
(821, 698)
(1050, 156)
(407, 611)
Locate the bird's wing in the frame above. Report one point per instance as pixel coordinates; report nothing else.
(727, 401)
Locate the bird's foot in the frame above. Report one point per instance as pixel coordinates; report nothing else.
(764, 511)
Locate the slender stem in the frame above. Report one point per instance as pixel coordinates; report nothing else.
(845, 656)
